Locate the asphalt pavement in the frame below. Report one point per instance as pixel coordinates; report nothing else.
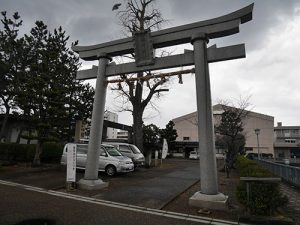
(133, 198)
(152, 189)
(23, 204)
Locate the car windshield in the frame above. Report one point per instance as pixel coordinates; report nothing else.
(135, 149)
(112, 151)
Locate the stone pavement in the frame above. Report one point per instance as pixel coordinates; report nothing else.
(293, 207)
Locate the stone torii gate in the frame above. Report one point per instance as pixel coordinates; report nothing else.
(142, 44)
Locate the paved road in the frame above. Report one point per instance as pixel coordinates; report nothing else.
(52, 177)
(133, 198)
(18, 204)
(152, 188)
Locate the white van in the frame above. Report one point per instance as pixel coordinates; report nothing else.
(193, 155)
(110, 160)
(130, 151)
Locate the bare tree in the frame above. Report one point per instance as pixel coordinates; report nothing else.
(139, 16)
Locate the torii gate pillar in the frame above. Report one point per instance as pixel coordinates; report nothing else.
(208, 196)
(91, 180)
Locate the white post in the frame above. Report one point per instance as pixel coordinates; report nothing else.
(208, 196)
(91, 180)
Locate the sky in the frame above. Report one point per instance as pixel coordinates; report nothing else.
(270, 73)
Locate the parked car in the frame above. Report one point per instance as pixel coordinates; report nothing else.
(251, 155)
(130, 151)
(220, 156)
(110, 159)
(193, 155)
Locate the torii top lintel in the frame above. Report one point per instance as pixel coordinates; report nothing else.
(214, 28)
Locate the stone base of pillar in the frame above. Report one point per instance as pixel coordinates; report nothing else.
(91, 184)
(214, 202)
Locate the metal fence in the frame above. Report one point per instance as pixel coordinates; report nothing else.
(286, 172)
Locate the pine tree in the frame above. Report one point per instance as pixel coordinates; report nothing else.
(52, 99)
(11, 55)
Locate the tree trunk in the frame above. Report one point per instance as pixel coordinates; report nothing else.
(4, 124)
(137, 112)
(138, 126)
(38, 151)
(19, 135)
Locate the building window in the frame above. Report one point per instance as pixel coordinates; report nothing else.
(186, 138)
(248, 149)
(290, 140)
(287, 133)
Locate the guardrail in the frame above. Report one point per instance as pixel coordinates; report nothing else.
(286, 172)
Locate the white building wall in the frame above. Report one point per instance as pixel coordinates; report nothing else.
(266, 136)
(186, 126)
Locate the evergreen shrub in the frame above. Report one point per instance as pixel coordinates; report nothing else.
(13, 152)
(264, 198)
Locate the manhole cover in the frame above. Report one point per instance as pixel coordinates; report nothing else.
(37, 222)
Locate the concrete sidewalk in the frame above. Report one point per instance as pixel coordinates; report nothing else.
(293, 206)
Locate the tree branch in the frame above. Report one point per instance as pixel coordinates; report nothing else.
(153, 91)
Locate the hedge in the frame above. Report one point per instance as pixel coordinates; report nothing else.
(52, 152)
(12, 152)
(265, 198)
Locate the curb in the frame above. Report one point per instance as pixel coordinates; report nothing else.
(173, 199)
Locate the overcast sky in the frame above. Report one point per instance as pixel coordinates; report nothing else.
(270, 73)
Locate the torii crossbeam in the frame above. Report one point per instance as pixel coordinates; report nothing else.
(142, 44)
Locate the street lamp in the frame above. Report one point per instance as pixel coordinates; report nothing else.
(257, 132)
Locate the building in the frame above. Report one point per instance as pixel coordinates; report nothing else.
(82, 128)
(14, 126)
(286, 141)
(122, 134)
(187, 131)
(112, 133)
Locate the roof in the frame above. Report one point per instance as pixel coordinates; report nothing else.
(185, 117)
(287, 128)
(217, 110)
(218, 107)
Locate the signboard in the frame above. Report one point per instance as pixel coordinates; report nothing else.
(71, 162)
(143, 48)
(165, 149)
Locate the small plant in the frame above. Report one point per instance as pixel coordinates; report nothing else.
(264, 198)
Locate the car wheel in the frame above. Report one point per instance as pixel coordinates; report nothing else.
(110, 170)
